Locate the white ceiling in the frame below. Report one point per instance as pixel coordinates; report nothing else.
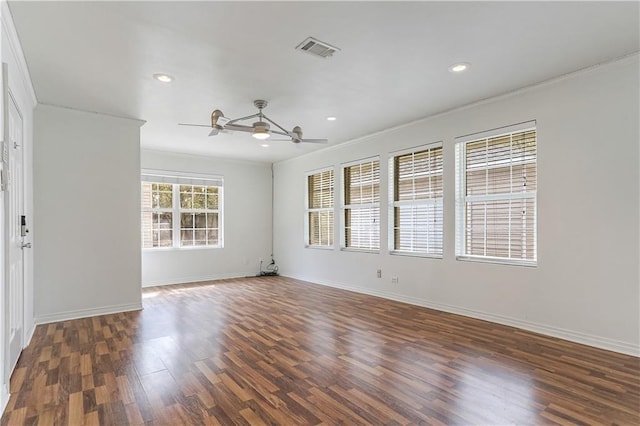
(100, 56)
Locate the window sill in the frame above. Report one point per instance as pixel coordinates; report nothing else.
(187, 248)
(499, 261)
(318, 247)
(357, 250)
(415, 254)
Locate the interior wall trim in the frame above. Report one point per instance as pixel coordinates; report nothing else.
(213, 157)
(626, 59)
(4, 397)
(561, 333)
(135, 121)
(197, 279)
(29, 334)
(9, 29)
(85, 313)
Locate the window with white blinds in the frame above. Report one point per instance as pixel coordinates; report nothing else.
(157, 214)
(361, 206)
(496, 196)
(319, 209)
(416, 207)
(180, 210)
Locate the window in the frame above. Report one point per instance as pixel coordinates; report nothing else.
(496, 195)
(181, 210)
(362, 205)
(415, 213)
(199, 214)
(157, 215)
(319, 211)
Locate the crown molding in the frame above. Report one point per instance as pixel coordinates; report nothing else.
(136, 121)
(629, 58)
(240, 161)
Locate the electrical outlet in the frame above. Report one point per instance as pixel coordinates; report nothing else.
(379, 273)
(394, 280)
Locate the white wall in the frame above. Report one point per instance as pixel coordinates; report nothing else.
(22, 92)
(87, 221)
(246, 216)
(586, 285)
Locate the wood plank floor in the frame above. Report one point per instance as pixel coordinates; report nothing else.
(280, 351)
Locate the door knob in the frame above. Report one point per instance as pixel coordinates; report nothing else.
(26, 245)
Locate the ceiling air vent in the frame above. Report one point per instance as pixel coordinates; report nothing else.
(317, 48)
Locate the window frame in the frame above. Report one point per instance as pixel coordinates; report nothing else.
(344, 206)
(423, 202)
(461, 197)
(176, 179)
(309, 210)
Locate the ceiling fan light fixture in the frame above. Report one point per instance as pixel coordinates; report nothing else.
(260, 134)
(261, 130)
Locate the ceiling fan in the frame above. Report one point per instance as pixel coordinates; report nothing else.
(261, 129)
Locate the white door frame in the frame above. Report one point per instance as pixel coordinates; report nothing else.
(13, 248)
(4, 391)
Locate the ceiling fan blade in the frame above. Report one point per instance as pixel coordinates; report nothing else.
(194, 125)
(222, 121)
(239, 127)
(315, 140)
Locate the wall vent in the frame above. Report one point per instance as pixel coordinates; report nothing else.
(317, 48)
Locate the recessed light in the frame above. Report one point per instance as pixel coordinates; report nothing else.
(165, 78)
(332, 118)
(264, 145)
(462, 66)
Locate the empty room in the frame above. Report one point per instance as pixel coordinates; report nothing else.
(304, 213)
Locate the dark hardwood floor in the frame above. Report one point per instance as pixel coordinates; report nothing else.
(281, 351)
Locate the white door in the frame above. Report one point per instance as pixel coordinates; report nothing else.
(14, 211)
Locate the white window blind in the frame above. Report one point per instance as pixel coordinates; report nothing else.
(496, 196)
(181, 210)
(319, 211)
(416, 208)
(362, 205)
(157, 215)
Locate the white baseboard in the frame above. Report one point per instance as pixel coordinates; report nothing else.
(197, 279)
(29, 334)
(4, 397)
(84, 313)
(4, 388)
(573, 336)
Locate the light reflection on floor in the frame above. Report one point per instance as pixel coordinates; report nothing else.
(492, 391)
(149, 294)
